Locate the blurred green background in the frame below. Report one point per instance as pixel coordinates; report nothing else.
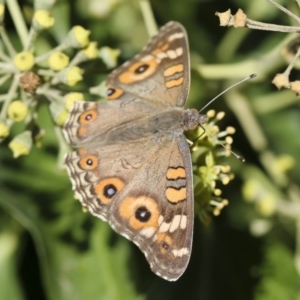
(50, 249)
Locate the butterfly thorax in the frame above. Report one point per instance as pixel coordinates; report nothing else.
(192, 119)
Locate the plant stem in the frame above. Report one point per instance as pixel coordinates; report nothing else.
(285, 10)
(31, 37)
(148, 17)
(4, 78)
(271, 27)
(44, 56)
(10, 49)
(18, 19)
(4, 57)
(9, 96)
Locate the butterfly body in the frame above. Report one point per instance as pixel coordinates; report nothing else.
(134, 167)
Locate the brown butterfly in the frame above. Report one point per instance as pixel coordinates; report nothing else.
(134, 166)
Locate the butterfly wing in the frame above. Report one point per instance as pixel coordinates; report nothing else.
(146, 195)
(155, 79)
(160, 73)
(93, 123)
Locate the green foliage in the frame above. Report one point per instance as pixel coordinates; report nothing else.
(279, 278)
(50, 249)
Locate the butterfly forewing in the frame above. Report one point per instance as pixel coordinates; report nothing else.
(160, 73)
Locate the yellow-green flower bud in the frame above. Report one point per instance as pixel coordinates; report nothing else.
(2, 11)
(59, 113)
(24, 61)
(91, 51)
(284, 163)
(71, 76)
(251, 189)
(4, 130)
(70, 98)
(17, 111)
(21, 144)
(42, 19)
(78, 37)
(62, 118)
(58, 61)
(266, 206)
(109, 56)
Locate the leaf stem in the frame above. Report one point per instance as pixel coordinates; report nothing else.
(18, 20)
(148, 17)
(297, 19)
(9, 96)
(10, 49)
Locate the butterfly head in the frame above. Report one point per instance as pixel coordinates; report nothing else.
(192, 119)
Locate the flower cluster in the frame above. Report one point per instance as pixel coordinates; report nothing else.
(32, 78)
(210, 145)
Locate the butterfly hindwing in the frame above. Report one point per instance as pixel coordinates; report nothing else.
(145, 195)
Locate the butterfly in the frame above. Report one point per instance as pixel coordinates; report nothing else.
(133, 168)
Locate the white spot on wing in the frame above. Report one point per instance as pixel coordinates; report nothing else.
(161, 55)
(179, 51)
(148, 232)
(175, 223)
(147, 57)
(183, 222)
(172, 54)
(160, 219)
(164, 227)
(181, 252)
(175, 36)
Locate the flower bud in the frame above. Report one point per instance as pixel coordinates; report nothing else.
(59, 113)
(70, 98)
(91, 51)
(21, 144)
(17, 111)
(71, 76)
(4, 130)
(109, 56)
(24, 61)
(78, 37)
(42, 19)
(58, 61)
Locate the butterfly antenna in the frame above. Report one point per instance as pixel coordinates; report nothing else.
(239, 157)
(223, 92)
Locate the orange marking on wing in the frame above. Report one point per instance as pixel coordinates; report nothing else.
(130, 205)
(173, 70)
(172, 83)
(175, 196)
(101, 187)
(176, 173)
(82, 152)
(82, 131)
(88, 117)
(96, 173)
(116, 94)
(165, 242)
(161, 48)
(89, 162)
(165, 47)
(133, 74)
